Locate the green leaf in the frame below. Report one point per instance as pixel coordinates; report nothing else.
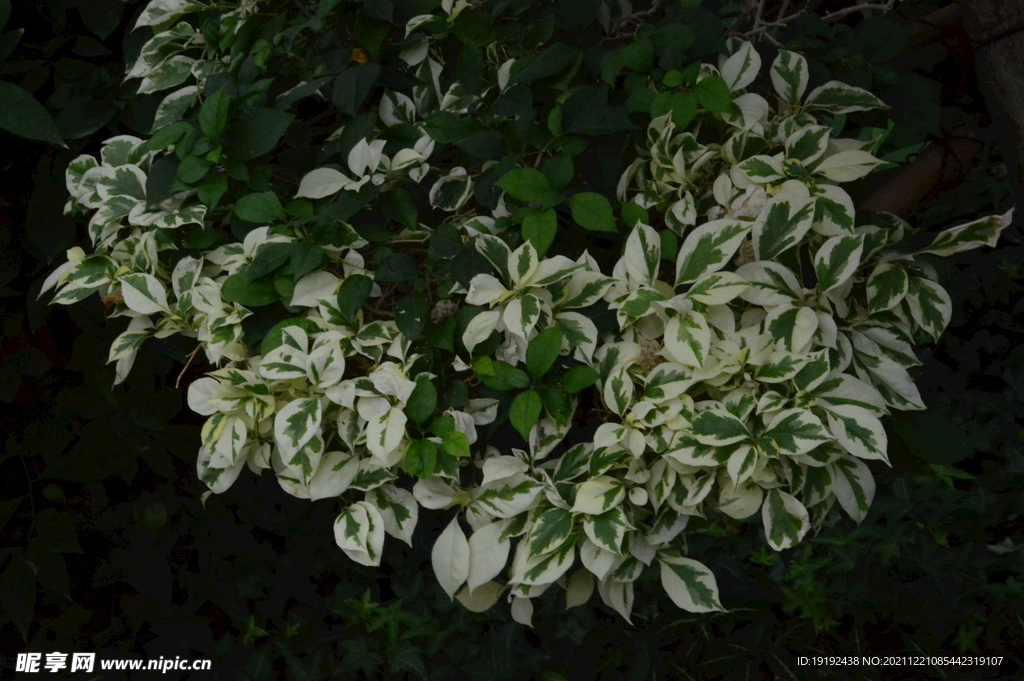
(525, 184)
(352, 85)
(456, 444)
(422, 400)
(639, 55)
(421, 458)
(579, 378)
(542, 352)
(259, 132)
(262, 208)
(559, 171)
(525, 412)
(353, 294)
(540, 228)
(592, 211)
(304, 259)
(213, 116)
(411, 315)
(397, 268)
(269, 258)
(23, 115)
(632, 214)
(239, 289)
(713, 94)
(586, 112)
(504, 377)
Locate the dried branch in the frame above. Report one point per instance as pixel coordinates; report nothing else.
(627, 26)
(188, 363)
(762, 28)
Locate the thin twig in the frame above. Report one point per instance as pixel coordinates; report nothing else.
(188, 363)
(839, 14)
(619, 28)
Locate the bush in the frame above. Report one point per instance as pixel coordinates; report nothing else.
(440, 298)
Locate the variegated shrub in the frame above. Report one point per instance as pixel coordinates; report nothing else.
(379, 338)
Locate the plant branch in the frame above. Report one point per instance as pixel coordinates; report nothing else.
(188, 363)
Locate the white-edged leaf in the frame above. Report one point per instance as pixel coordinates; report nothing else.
(887, 286)
(450, 558)
(786, 521)
(316, 184)
(359, 531)
(488, 553)
(858, 431)
(837, 260)
(790, 76)
(854, 486)
(975, 234)
(143, 293)
(690, 584)
(840, 98)
(708, 248)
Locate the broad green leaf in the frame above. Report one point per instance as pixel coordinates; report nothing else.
(592, 211)
(887, 286)
(840, 98)
(542, 352)
(422, 401)
(708, 248)
(690, 584)
(525, 184)
(579, 378)
(238, 288)
(411, 315)
(714, 95)
(353, 294)
(790, 76)
(213, 115)
(540, 228)
(421, 458)
(456, 444)
(525, 412)
(259, 132)
(837, 260)
(786, 521)
(262, 208)
(23, 115)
